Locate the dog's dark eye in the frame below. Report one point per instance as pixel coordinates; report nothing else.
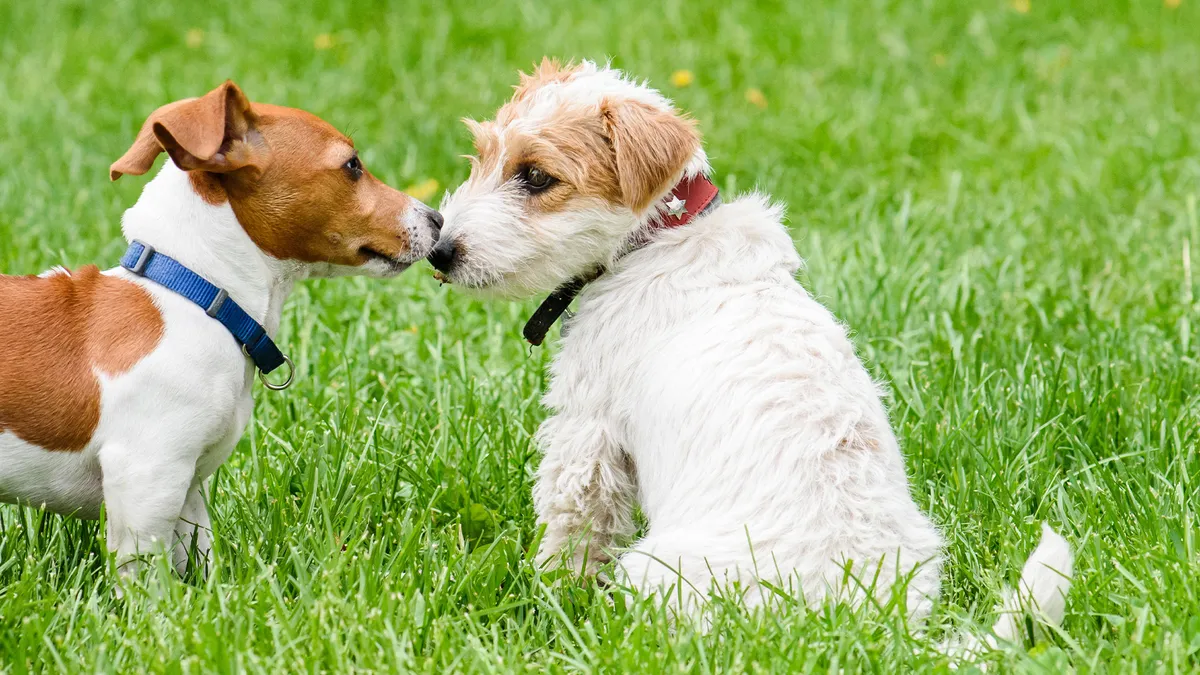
(536, 180)
(354, 167)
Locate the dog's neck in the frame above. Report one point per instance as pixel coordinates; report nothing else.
(693, 196)
(210, 241)
(653, 219)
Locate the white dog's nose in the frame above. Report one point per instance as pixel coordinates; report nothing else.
(442, 257)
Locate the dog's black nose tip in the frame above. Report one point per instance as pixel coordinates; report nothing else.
(436, 220)
(442, 257)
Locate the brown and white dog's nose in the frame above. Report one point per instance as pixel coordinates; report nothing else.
(436, 220)
(442, 257)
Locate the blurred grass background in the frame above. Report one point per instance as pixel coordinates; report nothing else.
(1000, 198)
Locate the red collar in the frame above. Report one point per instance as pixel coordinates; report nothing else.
(689, 198)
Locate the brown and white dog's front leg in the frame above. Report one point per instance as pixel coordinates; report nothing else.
(145, 489)
(584, 494)
(193, 532)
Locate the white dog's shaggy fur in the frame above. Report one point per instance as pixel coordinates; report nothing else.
(697, 379)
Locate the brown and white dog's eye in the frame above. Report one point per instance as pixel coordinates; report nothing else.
(535, 180)
(354, 167)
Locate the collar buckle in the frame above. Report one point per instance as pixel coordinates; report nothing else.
(139, 266)
(218, 301)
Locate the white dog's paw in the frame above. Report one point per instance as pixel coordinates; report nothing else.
(578, 557)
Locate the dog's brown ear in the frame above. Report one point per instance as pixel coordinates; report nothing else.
(193, 132)
(652, 149)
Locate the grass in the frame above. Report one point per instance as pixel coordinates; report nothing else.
(1000, 199)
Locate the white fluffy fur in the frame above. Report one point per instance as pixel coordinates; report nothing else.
(170, 421)
(700, 381)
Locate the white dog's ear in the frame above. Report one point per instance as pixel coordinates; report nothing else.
(652, 147)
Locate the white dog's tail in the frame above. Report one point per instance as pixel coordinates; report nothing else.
(1041, 593)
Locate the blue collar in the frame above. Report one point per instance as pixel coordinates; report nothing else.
(142, 260)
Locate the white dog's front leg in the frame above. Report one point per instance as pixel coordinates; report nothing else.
(193, 532)
(584, 494)
(144, 493)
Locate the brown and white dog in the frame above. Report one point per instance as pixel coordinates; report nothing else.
(114, 389)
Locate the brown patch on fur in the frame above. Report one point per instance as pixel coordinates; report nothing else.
(282, 171)
(584, 153)
(652, 148)
(547, 72)
(296, 208)
(57, 331)
(628, 153)
(208, 187)
(195, 132)
(550, 71)
(573, 148)
(487, 146)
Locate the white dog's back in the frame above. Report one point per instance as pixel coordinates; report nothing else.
(761, 446)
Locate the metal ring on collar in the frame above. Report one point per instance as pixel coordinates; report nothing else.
(262, 377)
(286, 383)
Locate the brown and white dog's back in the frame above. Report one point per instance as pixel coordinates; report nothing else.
(116, 390)
(62, 332)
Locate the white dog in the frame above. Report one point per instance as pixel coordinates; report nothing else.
(698, 379)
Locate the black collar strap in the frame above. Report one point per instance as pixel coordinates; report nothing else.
(554, 306)
(691, 199)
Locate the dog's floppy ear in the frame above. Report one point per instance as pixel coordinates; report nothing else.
(652, 148)
(193, 132)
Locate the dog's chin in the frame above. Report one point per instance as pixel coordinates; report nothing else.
(493, 285)
(386, 269)
(384, 266)
(378, 268)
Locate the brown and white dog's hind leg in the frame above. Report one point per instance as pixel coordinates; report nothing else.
(585, 493)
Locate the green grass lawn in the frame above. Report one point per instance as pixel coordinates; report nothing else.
(1000, 199)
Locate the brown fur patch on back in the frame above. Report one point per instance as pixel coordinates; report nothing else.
(57, 331)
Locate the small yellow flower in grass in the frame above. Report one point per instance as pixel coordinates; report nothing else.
(755, 96)
(1171, 4)
(682, 78)
(939, 60)
(323, 41)
(195, 37)
(423, 190)
(1021, 6)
